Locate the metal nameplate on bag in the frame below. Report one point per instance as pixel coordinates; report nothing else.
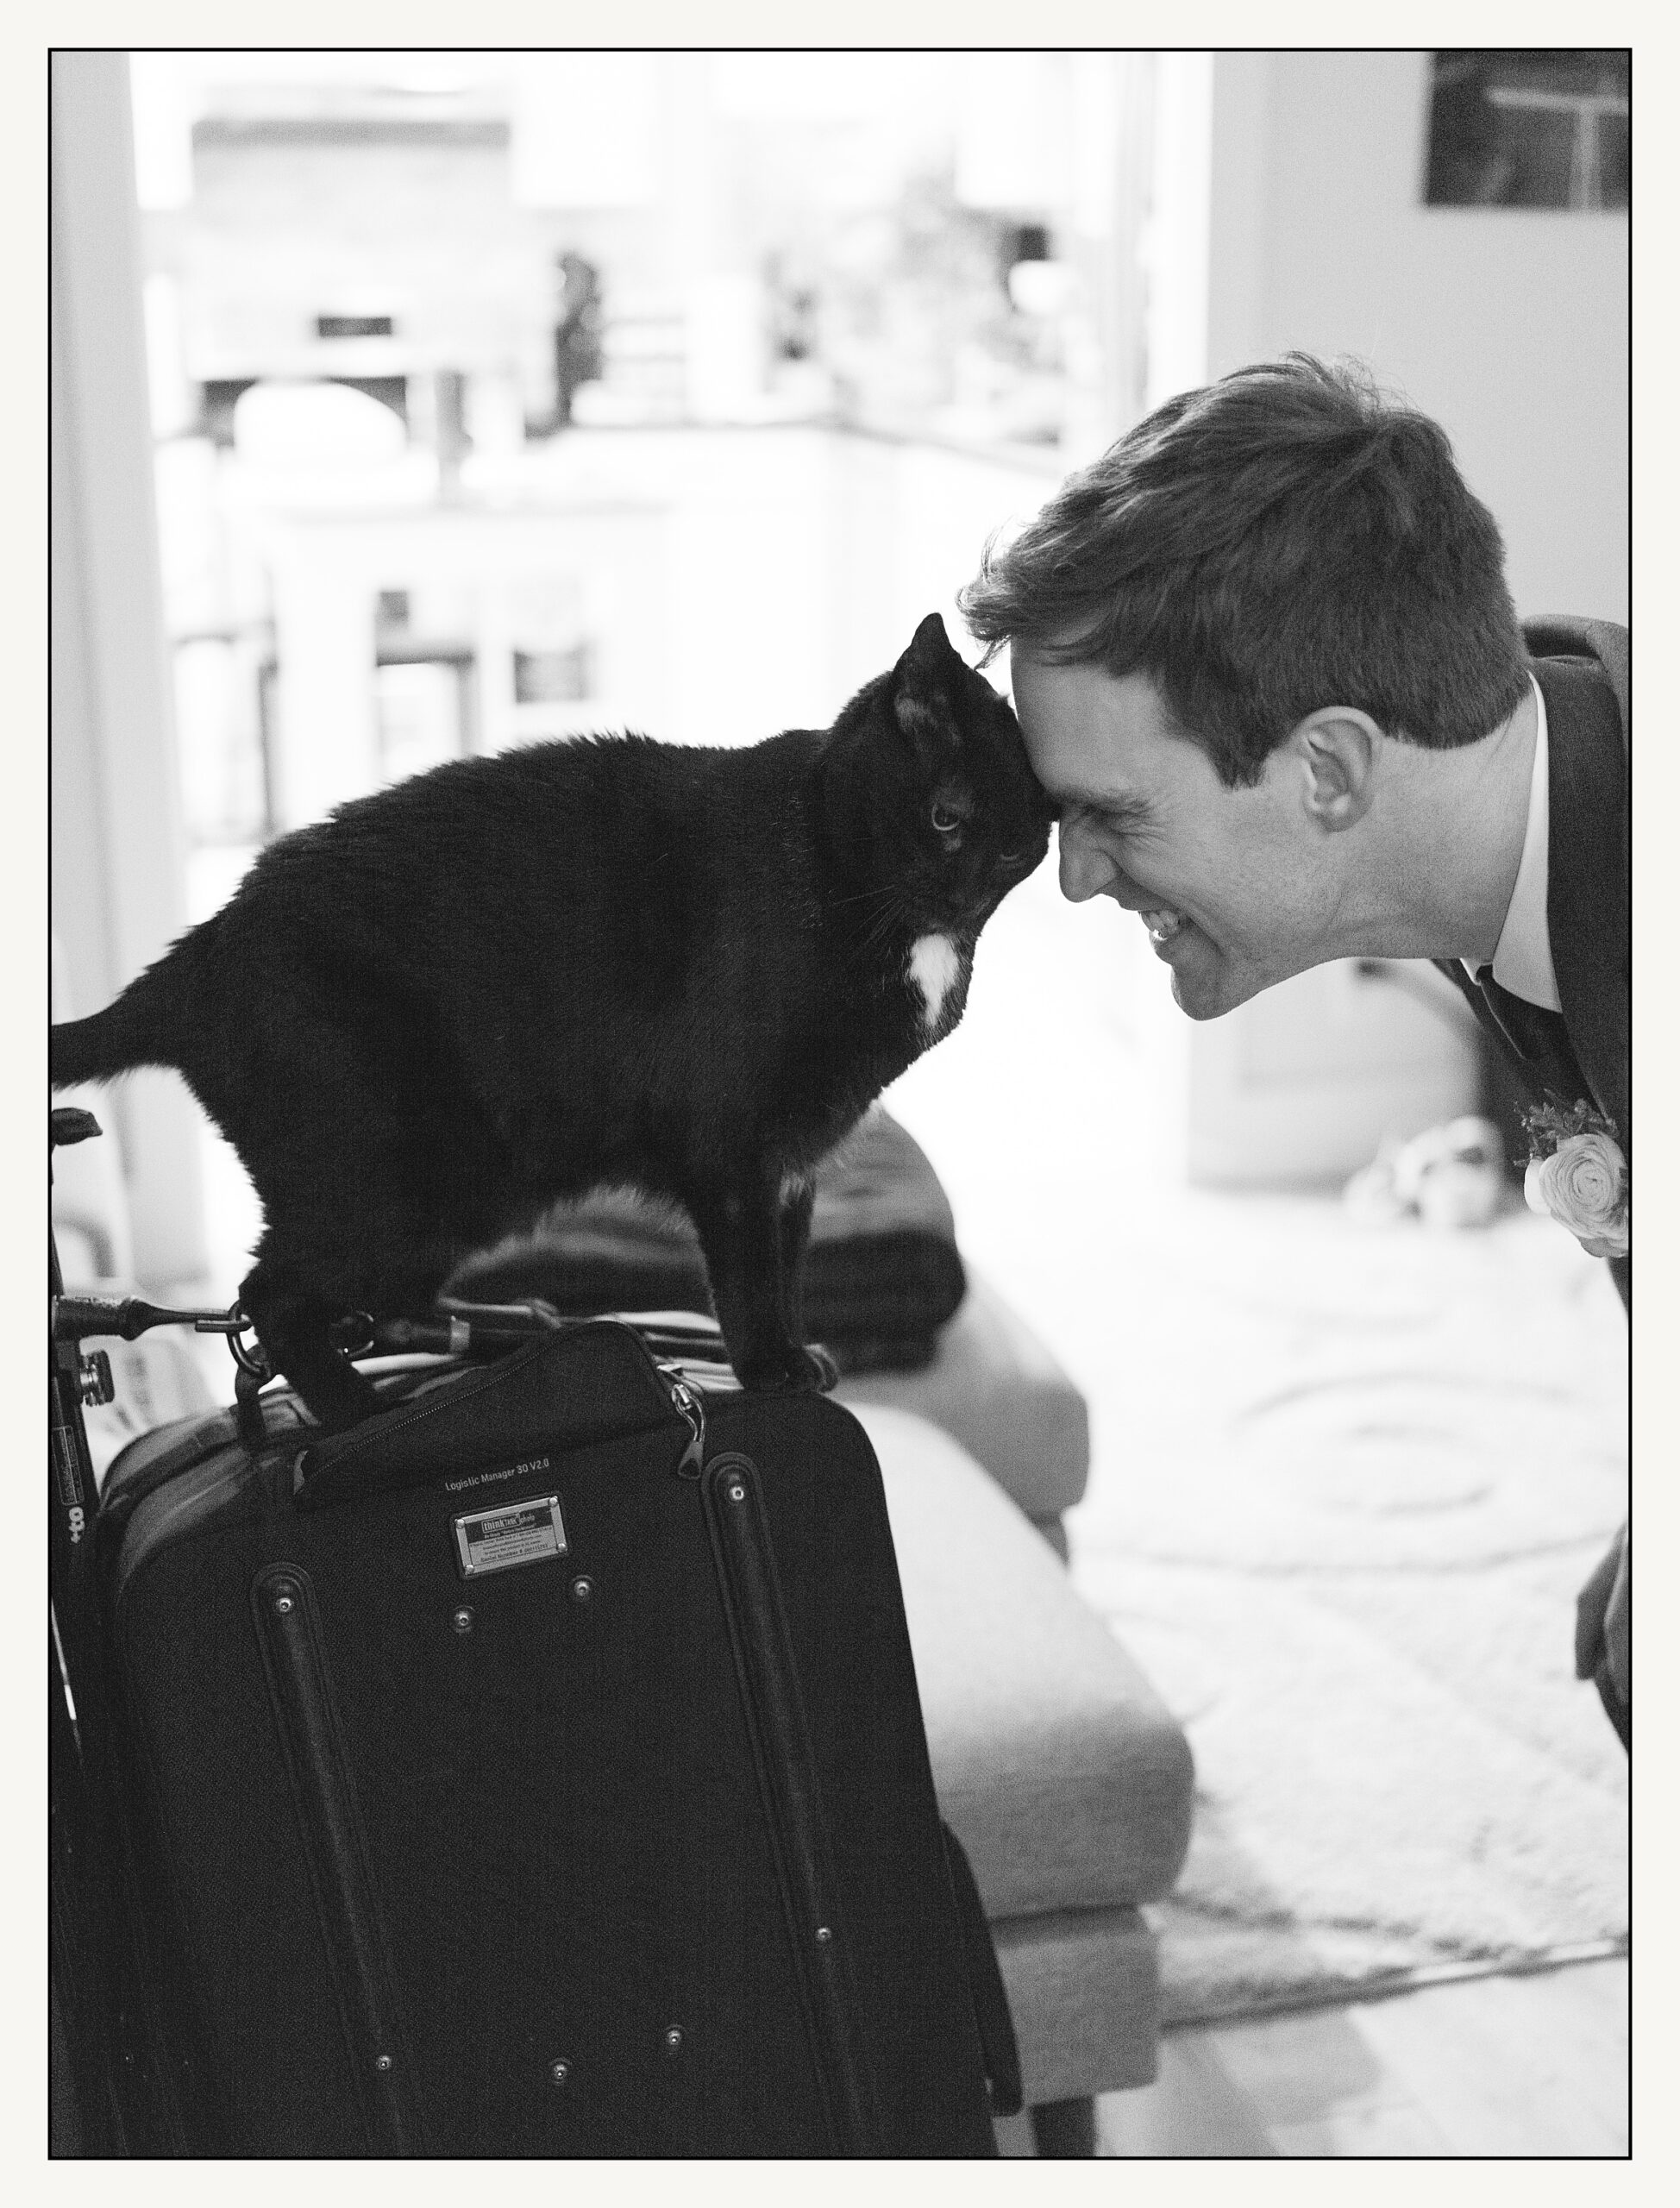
(513, 1533)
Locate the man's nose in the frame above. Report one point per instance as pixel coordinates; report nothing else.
(1086, 869)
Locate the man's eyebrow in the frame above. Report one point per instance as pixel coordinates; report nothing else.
(1121, 806)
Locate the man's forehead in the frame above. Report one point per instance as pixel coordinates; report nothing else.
(1073, 762)
(1095, 738)
(1072, 755)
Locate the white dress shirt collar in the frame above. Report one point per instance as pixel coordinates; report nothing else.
(1522, 957)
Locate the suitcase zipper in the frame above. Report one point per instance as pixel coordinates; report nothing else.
(686, 1402)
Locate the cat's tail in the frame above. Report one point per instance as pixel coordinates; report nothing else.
(136, 1030)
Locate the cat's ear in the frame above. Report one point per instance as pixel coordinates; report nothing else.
(921, 691)
(929, 642)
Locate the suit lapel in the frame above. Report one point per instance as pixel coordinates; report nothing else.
(1588, 913)
(1454, 971)
(1553, 1072)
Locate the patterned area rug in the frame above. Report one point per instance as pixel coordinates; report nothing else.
(1355, 1587)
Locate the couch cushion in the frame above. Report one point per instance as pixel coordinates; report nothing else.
(1084, 1994)
(1059, 1766)
(996, 1389)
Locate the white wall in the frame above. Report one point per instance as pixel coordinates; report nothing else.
(1510, 326)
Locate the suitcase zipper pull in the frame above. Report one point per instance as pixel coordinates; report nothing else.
(691, 1411)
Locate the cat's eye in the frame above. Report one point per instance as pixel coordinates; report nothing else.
(946, 823)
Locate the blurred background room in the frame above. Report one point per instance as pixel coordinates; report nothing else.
(415, 405)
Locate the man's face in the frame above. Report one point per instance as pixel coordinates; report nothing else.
(1234, 888)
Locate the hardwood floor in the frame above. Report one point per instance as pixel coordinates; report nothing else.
(1494, 2066)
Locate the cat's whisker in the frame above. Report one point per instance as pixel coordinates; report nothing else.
(863, 896)
(883, 924)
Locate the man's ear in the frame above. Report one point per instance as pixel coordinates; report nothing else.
(1336, 751)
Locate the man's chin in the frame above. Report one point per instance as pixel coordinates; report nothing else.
(1199, 994)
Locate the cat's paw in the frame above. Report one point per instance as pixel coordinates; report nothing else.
(822, 1368)
(797, 1372)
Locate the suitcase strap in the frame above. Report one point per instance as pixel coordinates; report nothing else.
(780, 1737)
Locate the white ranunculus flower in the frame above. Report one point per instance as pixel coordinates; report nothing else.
(1584, 1185)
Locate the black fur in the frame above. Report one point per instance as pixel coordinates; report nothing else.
(604, 961)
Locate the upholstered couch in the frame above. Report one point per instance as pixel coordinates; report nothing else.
(1061, 1771)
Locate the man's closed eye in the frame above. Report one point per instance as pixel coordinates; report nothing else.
(1118, 817)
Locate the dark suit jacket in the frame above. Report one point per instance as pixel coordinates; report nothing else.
(1581, 667)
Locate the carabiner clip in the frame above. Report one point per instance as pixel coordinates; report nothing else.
(253, 1362)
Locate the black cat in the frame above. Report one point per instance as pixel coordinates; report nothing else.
(604, 961)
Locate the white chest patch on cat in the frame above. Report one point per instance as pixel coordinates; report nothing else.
(934, 964)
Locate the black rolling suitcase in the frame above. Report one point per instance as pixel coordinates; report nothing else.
(537, 1769)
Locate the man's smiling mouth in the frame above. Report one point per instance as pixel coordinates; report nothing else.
(1162, 921)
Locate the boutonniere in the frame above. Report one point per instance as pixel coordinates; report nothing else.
(1577, 1175)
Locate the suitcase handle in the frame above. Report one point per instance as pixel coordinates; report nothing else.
(777, 1726)
(336, 1850)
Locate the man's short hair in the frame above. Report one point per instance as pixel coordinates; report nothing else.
(1284, 539)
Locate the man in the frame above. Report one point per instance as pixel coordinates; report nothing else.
(1267, 668)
